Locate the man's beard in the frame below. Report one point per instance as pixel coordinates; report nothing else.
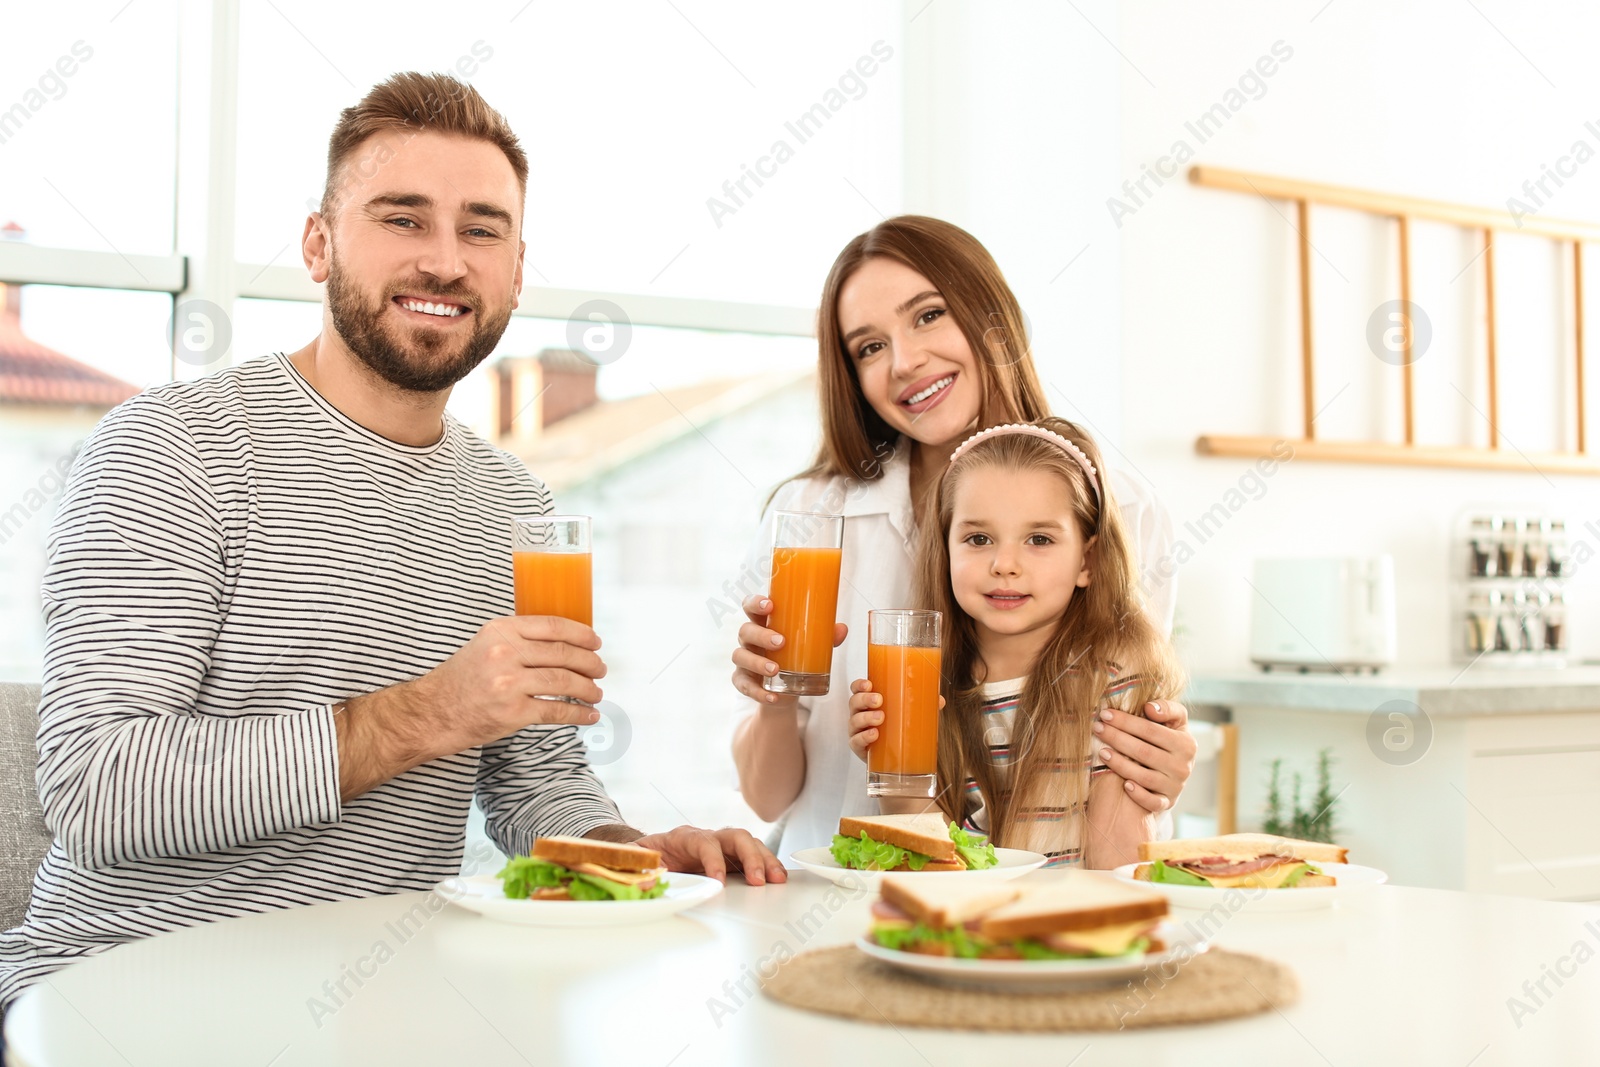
(419, 362)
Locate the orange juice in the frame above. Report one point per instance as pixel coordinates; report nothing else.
(908, 680)
(554, 583)
(805, 602)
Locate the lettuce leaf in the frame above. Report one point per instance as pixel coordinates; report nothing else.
(977, 851)
(583, 885)
(523, 874)
(963, 943)
(1160, 872)
(1033, 950)
(865, 854)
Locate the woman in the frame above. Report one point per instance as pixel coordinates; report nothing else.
(920, 342)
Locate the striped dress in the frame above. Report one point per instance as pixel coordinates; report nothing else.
(1054, 830)
(230, 557)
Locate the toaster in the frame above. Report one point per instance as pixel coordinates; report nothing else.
(1330, 613)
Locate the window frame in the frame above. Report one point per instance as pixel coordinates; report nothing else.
(202, 265)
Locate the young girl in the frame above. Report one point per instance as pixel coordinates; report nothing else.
(1026, 555)
(920, 342)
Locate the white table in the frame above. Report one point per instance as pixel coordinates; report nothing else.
(1403, 976)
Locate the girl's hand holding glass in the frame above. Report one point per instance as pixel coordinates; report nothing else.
(866, 716)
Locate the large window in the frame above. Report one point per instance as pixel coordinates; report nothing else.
(124, 333)
(696, 164)
(88, 125)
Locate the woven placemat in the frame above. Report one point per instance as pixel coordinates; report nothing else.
(1214, 985)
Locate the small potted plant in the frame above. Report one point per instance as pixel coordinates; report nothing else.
(1318, 821)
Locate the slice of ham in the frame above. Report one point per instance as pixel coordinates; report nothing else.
(550, 893)
(882, 909)
(1219, 867)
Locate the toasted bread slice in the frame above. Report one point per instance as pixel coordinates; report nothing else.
(575, 851)
(927, 833)
(1242, 847)
(1081, 900)
(941, 902)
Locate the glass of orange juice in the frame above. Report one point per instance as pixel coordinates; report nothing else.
(550, 561)
(551, 568)
(903, 662)
(806, 551)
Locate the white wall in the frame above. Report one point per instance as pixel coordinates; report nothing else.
(1455, 102)
(1011, 133)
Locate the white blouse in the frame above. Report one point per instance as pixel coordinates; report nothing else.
(876, 572)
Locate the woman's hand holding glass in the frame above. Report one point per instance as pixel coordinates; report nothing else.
(756, 643)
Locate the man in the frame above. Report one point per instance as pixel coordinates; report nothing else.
(280, 655)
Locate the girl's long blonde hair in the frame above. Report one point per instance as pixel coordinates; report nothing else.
(1103, 634)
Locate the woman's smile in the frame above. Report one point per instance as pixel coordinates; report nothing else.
(927, 392)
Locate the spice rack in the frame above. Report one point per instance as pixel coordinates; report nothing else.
(1510, 591)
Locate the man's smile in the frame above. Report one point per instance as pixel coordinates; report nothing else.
(431, 308)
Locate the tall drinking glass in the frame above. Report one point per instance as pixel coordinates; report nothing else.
(550, 561)
(903, 661)
(551, 569)
(806, 552)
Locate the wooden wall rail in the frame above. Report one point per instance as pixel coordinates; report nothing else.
(1403, 209)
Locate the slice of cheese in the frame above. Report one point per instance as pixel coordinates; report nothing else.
(1105, 941)
(622, 877)
(1271, 878)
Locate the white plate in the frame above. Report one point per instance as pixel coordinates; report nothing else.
(1014, 862)
(1349, 878)
(1041, 975)
(486, 895)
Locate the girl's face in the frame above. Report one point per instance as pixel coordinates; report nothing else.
(1016, 554)
(914, 364)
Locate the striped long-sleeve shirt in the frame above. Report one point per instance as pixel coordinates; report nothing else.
(230, 557)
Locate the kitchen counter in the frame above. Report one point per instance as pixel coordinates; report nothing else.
(1443, 691)
(1480, 779)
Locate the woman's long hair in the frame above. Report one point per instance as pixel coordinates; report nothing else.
(855, 440)
(1103, 634)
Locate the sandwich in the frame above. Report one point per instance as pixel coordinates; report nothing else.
(577, 868)
(1254, 861)
(1083, 915)
(924, 842)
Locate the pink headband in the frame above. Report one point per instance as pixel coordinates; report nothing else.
(1033, 431)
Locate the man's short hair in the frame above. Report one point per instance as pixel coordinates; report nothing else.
(416, 103)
